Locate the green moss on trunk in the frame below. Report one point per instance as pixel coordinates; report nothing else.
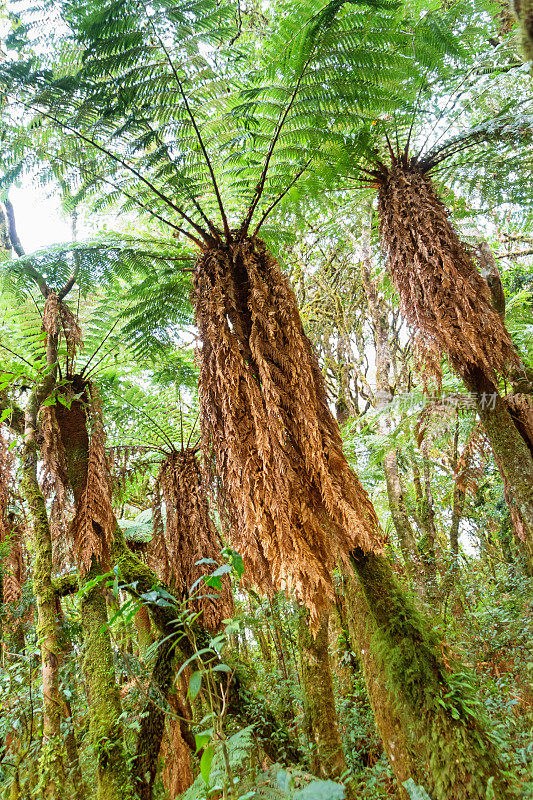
(437, 708)
(320, 714)
(512, 454)
(51, 767)
(153, 720)
(114, 780)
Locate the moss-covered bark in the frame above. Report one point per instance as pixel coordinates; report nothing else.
(511, 451)
(144, 631)
(114, 780)
(396, 741)
(436, 708)
(153, 720)
(244, 704)
(113, 776)
(320, 715)
(51, 767)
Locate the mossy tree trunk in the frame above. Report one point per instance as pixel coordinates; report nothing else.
(512, 454)
(114, 781)
(395, 494)
(51, 766)
(361, 630)
(153, 720)
(244, 704)
(320, 715)
(144, 631)
(113, 776)
(436, 710)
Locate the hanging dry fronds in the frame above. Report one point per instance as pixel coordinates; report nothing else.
(15, 570)
(94, 521)
(72, 330)
(159, 557)
(442, 292)
(188, 537)
(53, 454)
(50, 322)
(291, 503)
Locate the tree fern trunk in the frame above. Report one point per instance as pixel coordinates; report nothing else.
(320, 714)
(437, 712)
(51, 766)
(448, 302)
(512, 454)
(113, 776)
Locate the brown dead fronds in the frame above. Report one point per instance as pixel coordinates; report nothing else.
(15, 564)
(291, 505)
(54, 457)
(50, 322)
(188, 537)
(94, 520)
(441, 290)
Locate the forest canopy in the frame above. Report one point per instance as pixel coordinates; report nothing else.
(266, 414)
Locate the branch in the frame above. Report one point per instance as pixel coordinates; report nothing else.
(13, 235)
(66, 585)
(131, 197)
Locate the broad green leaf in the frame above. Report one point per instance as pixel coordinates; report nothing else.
(205, 763)
(195, 684)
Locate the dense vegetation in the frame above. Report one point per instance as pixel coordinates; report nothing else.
(266, 421)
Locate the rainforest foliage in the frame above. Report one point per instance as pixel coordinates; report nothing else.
(266, 417)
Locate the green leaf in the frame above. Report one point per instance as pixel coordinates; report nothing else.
(285, 781)
(237, 563)
(205, 763)
(195, 684)
(201, 739)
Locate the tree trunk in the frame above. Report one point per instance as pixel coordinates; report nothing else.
(395, 495)
(51, 767)
(76, 775)
(425, 520)
(282, 658)
(103, 695)
(320, 715)
(511, 452)
(436, 713)
(402, 523)
(153, 721)
(397, 742)
(243, 703)
(144, 631)
(113, 776)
